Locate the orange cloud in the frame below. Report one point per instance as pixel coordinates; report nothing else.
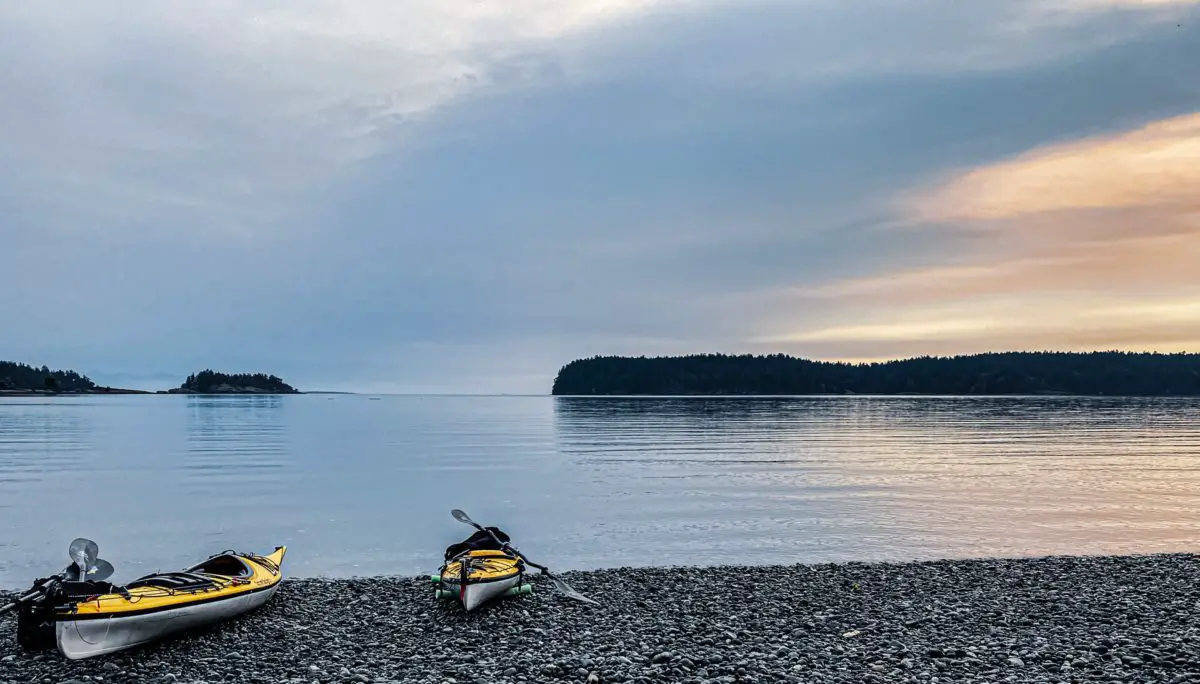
(1004, 323)
(1157, 165)
(1084, 245)
(1161, 263)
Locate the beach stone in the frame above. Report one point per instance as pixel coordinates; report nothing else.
(1044, 620)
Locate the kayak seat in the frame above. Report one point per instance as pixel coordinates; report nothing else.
(480, 541)
(176, 581)
(489, 553)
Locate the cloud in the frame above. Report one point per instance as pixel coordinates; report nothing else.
(1110, 210)
(467, 195)
(1081, 243)
(1090, 252)
(220, 119)
(1154, 166)
(225, 119)
(1011, 321)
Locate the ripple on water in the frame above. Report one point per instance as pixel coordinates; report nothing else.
(37, 439)
(361, 487)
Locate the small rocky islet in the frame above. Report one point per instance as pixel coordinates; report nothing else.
(1056, 619)
(20, 379)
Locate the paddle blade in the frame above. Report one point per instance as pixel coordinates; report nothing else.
(83, 552)
(571, 593)
(101, 571)
(98, 572)
(462, 517)
(568, 591)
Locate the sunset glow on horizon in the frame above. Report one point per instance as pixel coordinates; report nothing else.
(1080, 245)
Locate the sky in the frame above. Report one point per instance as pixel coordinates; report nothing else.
(404, 196)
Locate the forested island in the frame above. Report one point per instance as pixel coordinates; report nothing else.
(20, 378)
(212, 382)
(1074, 373)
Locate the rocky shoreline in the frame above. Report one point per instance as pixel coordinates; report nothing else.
(1059, 619)
(225, 389)
(114, 390)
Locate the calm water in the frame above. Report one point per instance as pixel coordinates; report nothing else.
(358, 486)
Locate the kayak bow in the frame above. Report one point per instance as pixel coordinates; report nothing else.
(478, 576)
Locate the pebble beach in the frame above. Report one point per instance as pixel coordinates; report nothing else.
(1057, 619)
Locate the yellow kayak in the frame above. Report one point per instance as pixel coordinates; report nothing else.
(89, 618)
(474, 575)
(485, 566)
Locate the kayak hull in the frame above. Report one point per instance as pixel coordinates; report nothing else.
(477, 594)
(490, 575)
(79, 639)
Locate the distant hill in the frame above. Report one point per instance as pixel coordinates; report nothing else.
(1090, 373)
(212, 382)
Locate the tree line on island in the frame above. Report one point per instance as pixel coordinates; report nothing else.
(20, 378)
(212, 382)
(1089, 373)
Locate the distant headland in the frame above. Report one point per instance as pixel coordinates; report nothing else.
(19, 379)
(1069, 373)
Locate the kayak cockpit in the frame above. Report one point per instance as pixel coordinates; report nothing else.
(226, 565)
(212, 573)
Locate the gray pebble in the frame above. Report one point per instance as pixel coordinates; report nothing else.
(1035, 621)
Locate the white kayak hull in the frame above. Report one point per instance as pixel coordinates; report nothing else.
(479, 593)
(79, 639)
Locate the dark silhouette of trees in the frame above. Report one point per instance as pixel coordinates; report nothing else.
(1091, 373)
(20, 376)
(212, 382)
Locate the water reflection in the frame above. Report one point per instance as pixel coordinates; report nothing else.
(360, 486)
(237, 473)
(899, 477)
(37, 438)
(235, 439)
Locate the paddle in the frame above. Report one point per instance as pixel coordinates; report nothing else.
(86, 563)
(559, 583)
(37, 591)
